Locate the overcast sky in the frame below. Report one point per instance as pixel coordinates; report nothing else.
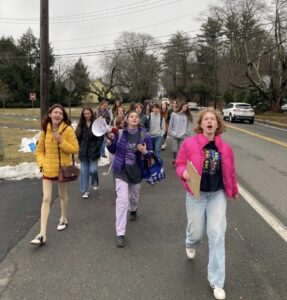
(79, 26)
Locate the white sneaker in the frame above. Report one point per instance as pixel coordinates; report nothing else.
(86, 195)
(218, 292)
(95, 187)
(190, 252)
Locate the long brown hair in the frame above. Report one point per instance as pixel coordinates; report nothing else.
(48, 119)
(187, 112)
(82, 121)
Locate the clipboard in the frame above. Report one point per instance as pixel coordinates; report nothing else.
(194, 183)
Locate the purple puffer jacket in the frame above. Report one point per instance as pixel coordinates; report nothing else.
(192, 150)
(119, 149)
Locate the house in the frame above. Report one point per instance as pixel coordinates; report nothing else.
(97, 86)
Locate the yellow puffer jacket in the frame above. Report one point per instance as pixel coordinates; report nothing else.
(47, 150)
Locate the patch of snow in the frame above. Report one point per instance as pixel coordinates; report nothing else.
(21, 171)
(29, 144)
(32, 130)
(74, 125)
(31, 170)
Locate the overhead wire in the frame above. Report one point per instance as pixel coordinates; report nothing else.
(80, 14)
(103, 16)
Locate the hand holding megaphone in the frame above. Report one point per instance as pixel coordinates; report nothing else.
(100, 127)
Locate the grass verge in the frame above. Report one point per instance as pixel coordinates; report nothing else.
(11, 139)
(274, 117)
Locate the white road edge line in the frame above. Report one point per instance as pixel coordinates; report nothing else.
(264, 213)
(270, 126)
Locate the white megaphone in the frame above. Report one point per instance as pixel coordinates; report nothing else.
(100, 127)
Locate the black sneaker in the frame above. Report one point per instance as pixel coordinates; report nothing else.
(121, 241)
(133, 216)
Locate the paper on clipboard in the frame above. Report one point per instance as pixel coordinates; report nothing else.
(194, 183)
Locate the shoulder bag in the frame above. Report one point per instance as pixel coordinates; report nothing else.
(67, 173)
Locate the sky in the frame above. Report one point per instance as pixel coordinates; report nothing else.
(94, 25)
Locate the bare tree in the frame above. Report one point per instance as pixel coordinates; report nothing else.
(134, 65)
(62, 71)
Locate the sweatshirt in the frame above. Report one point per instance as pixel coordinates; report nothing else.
(178, 125)
(156, 125)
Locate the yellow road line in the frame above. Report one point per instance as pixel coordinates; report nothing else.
(260, 136)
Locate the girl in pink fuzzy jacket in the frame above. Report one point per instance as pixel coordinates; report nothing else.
(214, 161)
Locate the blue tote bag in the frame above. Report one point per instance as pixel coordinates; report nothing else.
(154, 170)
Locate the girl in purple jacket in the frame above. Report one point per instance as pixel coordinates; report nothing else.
(130, 147)
(214, 161)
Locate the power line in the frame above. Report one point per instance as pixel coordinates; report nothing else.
(87, 14)
(93, 18)
(111, 44)
(156, 46)
(119, 32)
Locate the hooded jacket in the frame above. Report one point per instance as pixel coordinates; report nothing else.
(192, 150)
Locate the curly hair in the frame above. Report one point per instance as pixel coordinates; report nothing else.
(48, 119)
(221, 125)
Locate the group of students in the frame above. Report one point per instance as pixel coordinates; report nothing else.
(211, 156)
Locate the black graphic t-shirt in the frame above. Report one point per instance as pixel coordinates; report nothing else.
(132, 171)
(211, 180)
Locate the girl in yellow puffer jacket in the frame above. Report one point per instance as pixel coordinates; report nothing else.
(56, 132)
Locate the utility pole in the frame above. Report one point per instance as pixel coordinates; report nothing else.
(44, 57)
(215, 63)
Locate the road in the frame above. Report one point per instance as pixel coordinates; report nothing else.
(262, 164)
(84, 263)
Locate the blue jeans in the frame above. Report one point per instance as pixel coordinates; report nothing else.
(88, 168)
(208, 214)
(156, 145)
(103, 148)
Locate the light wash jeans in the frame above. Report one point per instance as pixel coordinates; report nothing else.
(208, 214)
(156, 145)
(175, 146)
(88, 168)
(127, 199)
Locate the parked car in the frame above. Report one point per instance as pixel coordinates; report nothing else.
(238, 111)
(192, 106)
(284, 107)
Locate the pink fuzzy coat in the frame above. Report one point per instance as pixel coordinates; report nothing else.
(192, 150)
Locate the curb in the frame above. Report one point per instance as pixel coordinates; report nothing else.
(275, 124)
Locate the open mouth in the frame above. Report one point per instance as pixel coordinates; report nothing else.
(209, 126)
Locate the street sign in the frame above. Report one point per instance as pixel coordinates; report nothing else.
(70, 85)
(33, 96)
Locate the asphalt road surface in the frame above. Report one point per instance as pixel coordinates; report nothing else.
(83, 262)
